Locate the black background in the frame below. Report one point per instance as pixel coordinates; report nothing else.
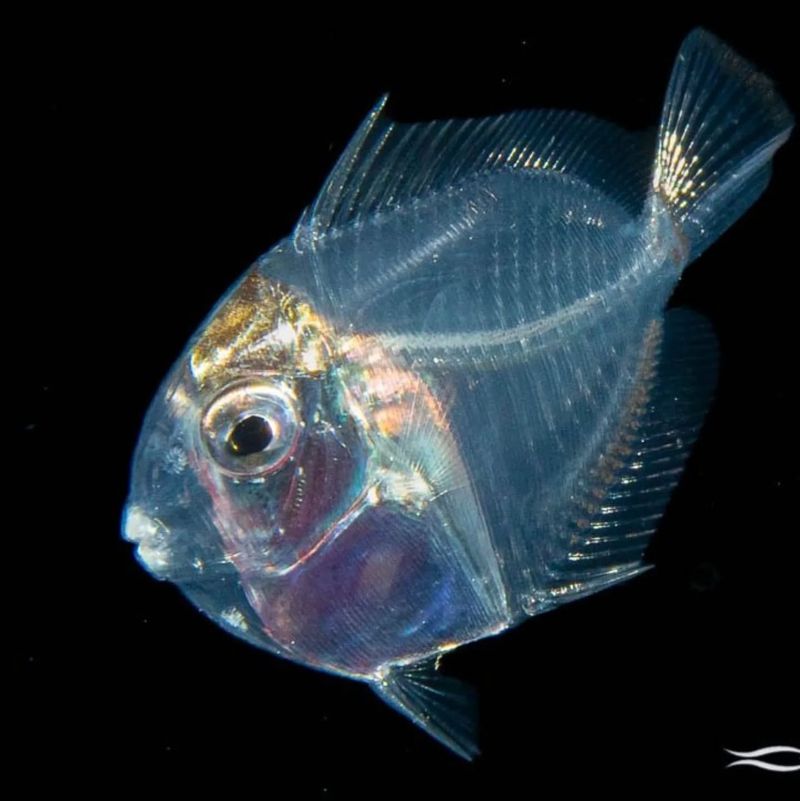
(158, 157)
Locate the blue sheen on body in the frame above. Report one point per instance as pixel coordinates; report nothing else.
(473, 403)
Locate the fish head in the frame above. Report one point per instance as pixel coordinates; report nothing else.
(302, 487)
(246, 460)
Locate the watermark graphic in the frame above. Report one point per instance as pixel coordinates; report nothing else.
(749, 758)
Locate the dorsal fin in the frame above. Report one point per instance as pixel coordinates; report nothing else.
(388, 164)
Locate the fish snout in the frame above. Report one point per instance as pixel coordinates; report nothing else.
(152, 539)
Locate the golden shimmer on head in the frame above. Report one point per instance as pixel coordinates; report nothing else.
(261, 327)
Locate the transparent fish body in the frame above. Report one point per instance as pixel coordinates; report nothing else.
(453, 398)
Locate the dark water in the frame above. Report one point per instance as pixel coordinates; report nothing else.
(158, 157)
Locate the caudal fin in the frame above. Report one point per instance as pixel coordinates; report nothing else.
(721, 124)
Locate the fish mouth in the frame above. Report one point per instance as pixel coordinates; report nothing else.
(151, 537)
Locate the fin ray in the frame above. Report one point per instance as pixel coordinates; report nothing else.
(621, 502)
(444, 707)
(424, 158)
(721, 124)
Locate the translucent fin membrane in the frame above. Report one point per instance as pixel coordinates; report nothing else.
(446, 708)
(626, 493)
(721, 124)
(389, 164)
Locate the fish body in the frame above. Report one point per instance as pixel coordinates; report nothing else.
(452, 398)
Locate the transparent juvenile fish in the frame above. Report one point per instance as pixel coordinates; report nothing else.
(452, 398)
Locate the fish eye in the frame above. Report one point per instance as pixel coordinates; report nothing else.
(250, 435)
(251, 427)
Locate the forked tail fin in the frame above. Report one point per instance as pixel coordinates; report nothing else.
(721, 124)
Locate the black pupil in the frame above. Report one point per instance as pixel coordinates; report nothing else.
(249, 436)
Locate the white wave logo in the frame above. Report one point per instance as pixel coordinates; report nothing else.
(749, 758)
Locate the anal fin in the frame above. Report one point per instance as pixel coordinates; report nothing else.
(620, 503)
